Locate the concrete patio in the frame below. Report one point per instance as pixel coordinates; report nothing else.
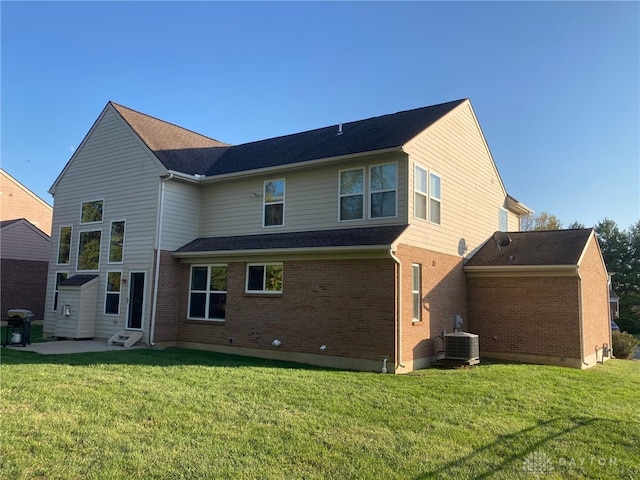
(64, 347)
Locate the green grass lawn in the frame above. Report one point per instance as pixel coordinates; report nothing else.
(182, 414)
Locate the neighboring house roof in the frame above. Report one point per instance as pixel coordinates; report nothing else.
(184, 151)
(345, 237)
(9, 223)
(534, 248)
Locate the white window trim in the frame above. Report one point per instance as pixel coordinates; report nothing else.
(124, 236)
(55, 288)
(70, 244)
(504, 211)
(424, 194)
(371, 191)
(107, 293)
(99, 251)
(264, 279)
(363, 193)
(414, 292)
(206, 292)
(435, 199)
(90, 201)
(265, 203)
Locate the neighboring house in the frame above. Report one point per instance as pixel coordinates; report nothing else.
(24, 261)
(543, 298)
(340, 246)
(17, 201)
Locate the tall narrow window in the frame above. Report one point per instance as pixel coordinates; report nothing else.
(112, 301)
(64, 245)
(116, 242)
(91, 211)
(416, 291)
(383, 191)
(274, 203)
(420, 193)
(208, 292)
(89, 250)
(503, 220)
(60, 276)
(352, 194)
(434, 198)
(264, 278)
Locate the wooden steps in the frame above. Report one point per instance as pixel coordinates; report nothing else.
(126, 338)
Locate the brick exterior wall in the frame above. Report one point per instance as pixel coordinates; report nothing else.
(23, 284)
(443, 292)
(347, 305)
(536, 316)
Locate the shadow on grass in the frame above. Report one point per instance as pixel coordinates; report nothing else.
(149, 357)
(516, 447)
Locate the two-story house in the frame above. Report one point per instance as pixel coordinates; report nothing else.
(341, 246)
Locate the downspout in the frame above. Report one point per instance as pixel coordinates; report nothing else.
(399, 307)
(581, 320)
(157, 272)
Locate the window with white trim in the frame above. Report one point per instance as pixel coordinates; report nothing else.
(420, 196)
(503, 220)
(116, 242)
(416, 291)
(64, 245)
(383, 190)
(112, 297)
(60, 277)
(208, 292)
(435, 198)
(264, 278)
(273, 203)
(352, 194)
(89, 244)
(91, 212)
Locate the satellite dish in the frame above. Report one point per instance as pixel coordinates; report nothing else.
(501, 239)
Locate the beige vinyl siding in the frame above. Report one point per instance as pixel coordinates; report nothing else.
(181, 214)
(311, 200)
(472, 191)
(22, 242)
(114, 166)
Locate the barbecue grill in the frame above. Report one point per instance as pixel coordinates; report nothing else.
(18, 330)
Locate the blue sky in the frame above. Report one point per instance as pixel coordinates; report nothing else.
(555, 85)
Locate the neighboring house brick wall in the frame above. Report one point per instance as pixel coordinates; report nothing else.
(23, 286)
(526, 316)
(347, 305)
(443, 297)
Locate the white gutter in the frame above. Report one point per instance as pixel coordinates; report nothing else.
(157, 272)
(399, 308)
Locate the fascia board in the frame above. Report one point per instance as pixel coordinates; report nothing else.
(281, 251)
(521, 270)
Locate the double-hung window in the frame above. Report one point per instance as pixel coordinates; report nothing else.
(273, 203)
(420, 196)
(416, 291)
(352, 194)
(383, 189)
(427, 196)
(435, 197)
(503, 220)
(112, 300)
(264, 278)
(208, 292)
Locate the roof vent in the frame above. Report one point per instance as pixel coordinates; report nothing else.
(339, 129)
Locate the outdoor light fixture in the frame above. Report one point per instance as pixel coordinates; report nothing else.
(67, 310)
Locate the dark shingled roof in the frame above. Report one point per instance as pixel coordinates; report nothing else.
(545, 247)
(188, 152)
(344, 237)
(77, 280)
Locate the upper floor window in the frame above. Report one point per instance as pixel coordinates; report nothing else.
(89, 250)
(91, 211)
(208, 292)
(273, 203)
(383, 184)
(64, 245)
(264, 278)
(503, 220)
(116, 242)
(420, 197)
(352, 194)
(435, 198)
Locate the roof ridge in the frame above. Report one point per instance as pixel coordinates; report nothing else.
(117, 106)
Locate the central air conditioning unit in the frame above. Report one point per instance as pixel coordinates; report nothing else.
(462, 347)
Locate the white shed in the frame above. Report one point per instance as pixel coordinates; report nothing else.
(76, 316)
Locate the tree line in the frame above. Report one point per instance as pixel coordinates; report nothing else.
(621, 253)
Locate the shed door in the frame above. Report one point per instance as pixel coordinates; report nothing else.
(136, 301)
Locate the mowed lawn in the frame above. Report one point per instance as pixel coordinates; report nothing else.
(183, 414)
